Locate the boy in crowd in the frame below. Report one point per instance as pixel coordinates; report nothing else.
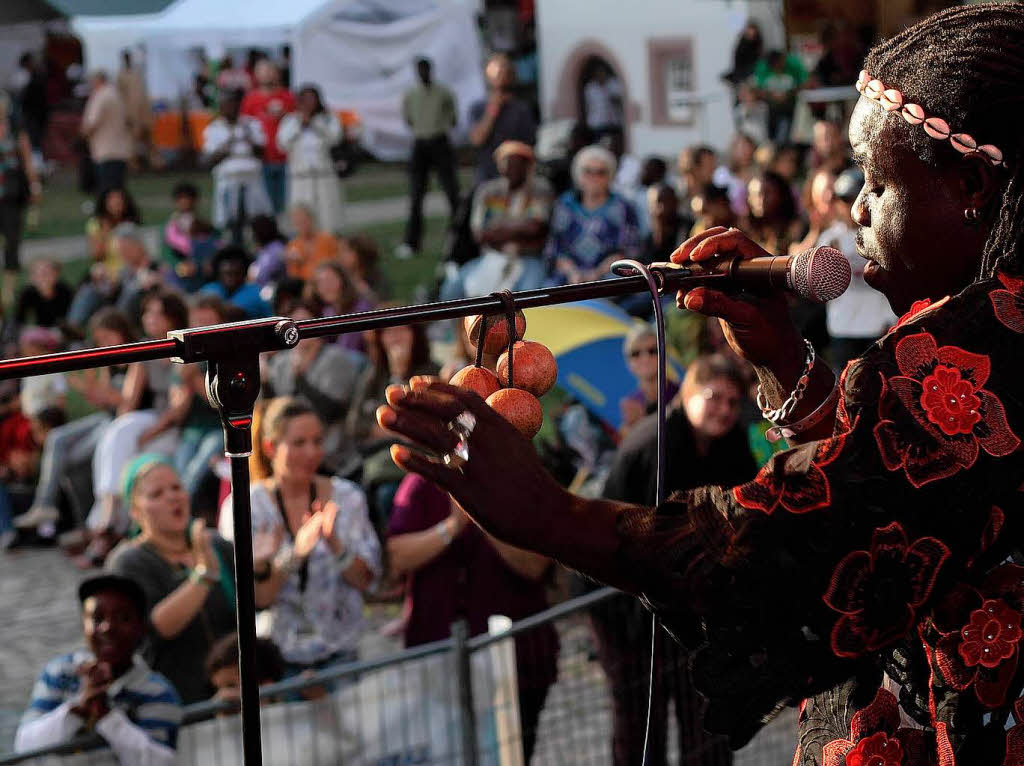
(106, 688)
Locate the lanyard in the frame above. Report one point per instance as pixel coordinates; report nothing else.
(304, 569)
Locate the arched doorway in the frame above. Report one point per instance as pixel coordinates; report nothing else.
(585, 62)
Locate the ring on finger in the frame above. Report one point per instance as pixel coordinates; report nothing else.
(462, 426)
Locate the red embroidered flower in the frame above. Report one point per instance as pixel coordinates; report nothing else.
(942, 391)
(979, 635)
(876, 738)
(878, 592)
(1008, 304)
(949, 401)
(876, 750)
(918, 307)
(792, 479)
(991, 636)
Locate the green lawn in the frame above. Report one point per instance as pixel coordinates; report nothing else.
(64, 208)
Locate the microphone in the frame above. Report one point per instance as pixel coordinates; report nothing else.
(820, 274)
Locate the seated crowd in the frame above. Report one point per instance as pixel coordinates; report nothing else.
(134, 478)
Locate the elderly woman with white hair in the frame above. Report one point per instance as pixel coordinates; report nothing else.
(591, 226)
(509, 221)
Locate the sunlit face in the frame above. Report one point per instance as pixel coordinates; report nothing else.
(714, 409)
(821, 192)
(348, 258)
(159, 501)
(103, 336)
(203, 316)
(910, 215)
(516, 168)
(662, 203)
(302, 221)
(45, 276)
(642, 358)
(301, 314)
(184, 203)
(827, 138)
(400, 337)
(132, 252)
(307, 102)
(155, 323)
(115, 204)
(226, 677)
(328, 285)
(705, 170)
(742, 152)
(231, 274)
(300, 450)
(787, 164)
(595, 177)
(112, 626)
(499, 74)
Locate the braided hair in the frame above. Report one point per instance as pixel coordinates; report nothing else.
(966, 65)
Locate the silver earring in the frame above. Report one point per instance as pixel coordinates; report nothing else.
(972, 216)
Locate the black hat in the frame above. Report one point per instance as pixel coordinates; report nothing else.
(128, 587)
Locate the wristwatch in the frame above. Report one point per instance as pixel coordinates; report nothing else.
(199, 575)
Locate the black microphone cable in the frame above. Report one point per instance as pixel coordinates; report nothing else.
(628, 267)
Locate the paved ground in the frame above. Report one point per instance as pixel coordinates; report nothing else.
(40, 619)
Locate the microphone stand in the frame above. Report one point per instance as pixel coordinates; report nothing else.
(232, 351)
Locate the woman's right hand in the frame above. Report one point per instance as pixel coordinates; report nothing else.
(503, 485)
(309, 535)
(758, 328)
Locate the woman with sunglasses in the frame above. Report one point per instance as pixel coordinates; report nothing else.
(641, 351)
(591, 226)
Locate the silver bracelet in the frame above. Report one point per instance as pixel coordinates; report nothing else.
(780, 415)
(827, 407)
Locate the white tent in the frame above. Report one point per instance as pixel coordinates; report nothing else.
(360, 52)
(367, 66)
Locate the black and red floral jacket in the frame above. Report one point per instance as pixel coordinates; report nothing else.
(870, 578)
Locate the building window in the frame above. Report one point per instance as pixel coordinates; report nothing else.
(672, 81)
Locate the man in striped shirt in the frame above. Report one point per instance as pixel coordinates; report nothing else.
(106, 688)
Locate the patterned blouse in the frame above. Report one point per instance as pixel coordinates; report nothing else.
(872, 578)
(587, 237)
(319, 615)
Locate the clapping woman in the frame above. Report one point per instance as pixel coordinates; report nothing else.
(315, 551)
(185, 570)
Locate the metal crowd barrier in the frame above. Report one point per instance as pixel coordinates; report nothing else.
(454, 703)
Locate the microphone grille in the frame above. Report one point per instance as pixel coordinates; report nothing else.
(820, 274)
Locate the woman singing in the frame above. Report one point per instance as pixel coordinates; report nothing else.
(865, 574)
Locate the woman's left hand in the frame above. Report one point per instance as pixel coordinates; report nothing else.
(202, 548)
(503, 485)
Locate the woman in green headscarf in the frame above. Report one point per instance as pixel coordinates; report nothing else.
(185, 570)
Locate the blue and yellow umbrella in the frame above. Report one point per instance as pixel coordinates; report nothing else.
(586, 339)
